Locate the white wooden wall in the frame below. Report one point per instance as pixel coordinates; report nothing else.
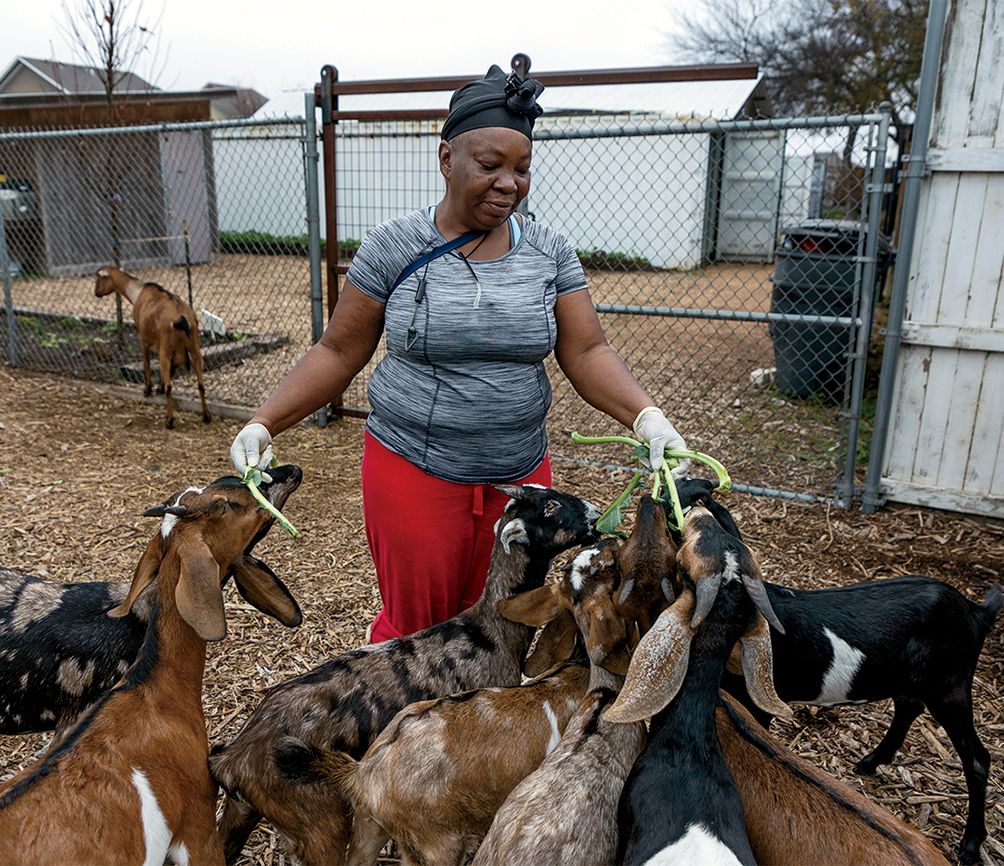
(946, 441)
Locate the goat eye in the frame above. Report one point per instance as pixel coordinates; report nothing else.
(551, 507)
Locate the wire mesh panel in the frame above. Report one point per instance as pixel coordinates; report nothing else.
(725, 258)
(214, 212)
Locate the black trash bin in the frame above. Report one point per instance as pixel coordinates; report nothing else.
(814, 275)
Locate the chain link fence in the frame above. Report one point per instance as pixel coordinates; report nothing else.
(730, 262)
(214, 212)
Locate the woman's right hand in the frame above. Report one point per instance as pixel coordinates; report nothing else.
(252, 447)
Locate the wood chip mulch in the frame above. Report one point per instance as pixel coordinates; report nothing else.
(78, 466)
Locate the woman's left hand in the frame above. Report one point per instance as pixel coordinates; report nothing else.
(654, 428)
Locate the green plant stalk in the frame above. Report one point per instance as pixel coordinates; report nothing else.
(252, 478)
(610, 519)
(724, 481)
(673, 493)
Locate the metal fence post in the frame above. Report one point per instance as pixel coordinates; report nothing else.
(8, 300)
(875, 190)
(915, 169)
(310, 159)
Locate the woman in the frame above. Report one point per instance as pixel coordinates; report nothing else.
(460, 399)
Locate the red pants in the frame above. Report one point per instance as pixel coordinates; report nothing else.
(430, 539)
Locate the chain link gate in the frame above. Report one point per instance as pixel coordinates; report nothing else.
(213, 211)
(733, 264)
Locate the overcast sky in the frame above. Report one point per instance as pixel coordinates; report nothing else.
(280, 45)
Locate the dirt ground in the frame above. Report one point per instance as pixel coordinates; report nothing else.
(78, 466)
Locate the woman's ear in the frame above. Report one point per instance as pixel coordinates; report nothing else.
(445, 159)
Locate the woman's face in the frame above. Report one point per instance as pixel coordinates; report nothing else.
(487, 174)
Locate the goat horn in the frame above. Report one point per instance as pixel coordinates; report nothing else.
(758, 594)
(707, 592)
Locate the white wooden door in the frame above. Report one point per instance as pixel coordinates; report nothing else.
(946, 440)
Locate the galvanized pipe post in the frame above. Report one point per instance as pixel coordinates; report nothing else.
(875, 191)
(310, 159)
(914, 176)
(8, 300)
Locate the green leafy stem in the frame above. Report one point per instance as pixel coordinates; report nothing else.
(252, 478)
(612, 517)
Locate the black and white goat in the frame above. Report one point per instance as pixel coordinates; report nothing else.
(913, 639)
(680, 802)
(346, 702)
(60, 651)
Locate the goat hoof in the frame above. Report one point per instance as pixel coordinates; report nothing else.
(170, 424)
(147, 392)
(969, 851)
(206, 419)
(160, 389)
(866, 766)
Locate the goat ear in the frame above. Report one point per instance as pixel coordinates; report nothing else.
(758, 668)
(199, 595)
(534, 607)
(146, 572)
(555, 644)
(514, 532)
(658, 666)
(258, 584)
(606, 642)
(164, 508)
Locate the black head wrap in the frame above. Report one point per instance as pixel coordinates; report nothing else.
(495, 100)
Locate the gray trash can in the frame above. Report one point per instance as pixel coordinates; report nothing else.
(814, 275)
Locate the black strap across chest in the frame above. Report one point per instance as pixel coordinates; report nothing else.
(435, 253)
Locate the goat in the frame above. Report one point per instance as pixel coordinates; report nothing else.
(434, 778)
(165, 324)
(914, 639)
(647, 561)
(61, 651)
(680, 662)
(130, 782)
(585, 773)
(796, 814)
(344, 703)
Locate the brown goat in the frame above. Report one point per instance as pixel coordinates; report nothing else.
(797, 814)
(437, 774)
(130, 783)
(647, 562)
(165, 324)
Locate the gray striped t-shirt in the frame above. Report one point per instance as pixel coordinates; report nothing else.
(466, 396)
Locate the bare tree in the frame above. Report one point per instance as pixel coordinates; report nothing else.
(117, 39)
(834, 56)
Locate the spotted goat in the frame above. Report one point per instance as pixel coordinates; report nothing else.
(346, 702)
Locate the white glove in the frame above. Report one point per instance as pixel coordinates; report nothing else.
(653, 427)
(252, 447)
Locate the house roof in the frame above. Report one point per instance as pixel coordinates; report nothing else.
(243, 103)
(29, 84)
(71, 79)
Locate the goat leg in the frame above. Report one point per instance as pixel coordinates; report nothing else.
(905, 712)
